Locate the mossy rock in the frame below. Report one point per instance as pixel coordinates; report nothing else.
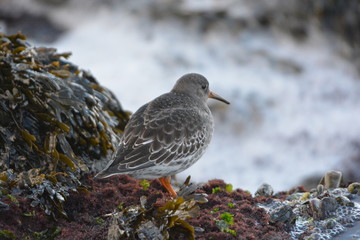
(56, 123)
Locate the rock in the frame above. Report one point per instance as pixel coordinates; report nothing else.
(322, 213)
(331, 179)
(327, 207)
(284, 215)
(320, 189)
(3, 206)
(345, 201)
(264, 190)
(354, 187)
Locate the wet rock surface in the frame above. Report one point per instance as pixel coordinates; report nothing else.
(323, 214)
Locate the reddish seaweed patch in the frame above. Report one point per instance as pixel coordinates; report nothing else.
(250, 221)
(86, 212)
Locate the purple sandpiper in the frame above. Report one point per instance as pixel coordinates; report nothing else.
(166, 135)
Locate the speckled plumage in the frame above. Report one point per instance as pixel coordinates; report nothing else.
(168, 134)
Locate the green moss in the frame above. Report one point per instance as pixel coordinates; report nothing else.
(214, 210)
(215, 190)
(232, 232)
(228, 218)
(144, 184)
(231, 205)
(229, 188)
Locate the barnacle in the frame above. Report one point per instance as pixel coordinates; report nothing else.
(56, 123)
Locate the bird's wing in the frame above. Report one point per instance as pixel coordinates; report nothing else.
(152, 138)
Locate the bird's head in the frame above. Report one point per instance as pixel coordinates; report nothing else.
(196, 85)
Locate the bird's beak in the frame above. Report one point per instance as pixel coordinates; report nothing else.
(217, 97)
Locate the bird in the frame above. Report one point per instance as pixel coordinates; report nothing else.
(166, 135)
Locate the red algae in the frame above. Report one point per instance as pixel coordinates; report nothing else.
(86, 212)
(250, 221)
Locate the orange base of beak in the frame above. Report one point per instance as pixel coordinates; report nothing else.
(165, 181)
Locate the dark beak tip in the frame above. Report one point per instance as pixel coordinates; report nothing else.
(222, 100)
(217, 97)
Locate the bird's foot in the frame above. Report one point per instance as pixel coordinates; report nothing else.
(165, 181)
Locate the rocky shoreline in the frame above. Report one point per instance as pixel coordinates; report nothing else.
(124, 208)
(49, 153)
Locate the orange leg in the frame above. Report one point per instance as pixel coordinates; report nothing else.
(165, 181)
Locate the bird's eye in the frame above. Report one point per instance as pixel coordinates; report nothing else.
(203, 86)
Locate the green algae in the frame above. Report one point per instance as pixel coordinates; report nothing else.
(227, 217)
(215, 190)
(214, 210)
(231, 205)
(232, 232)
(228, 188)
(144, 184)
(226, 220)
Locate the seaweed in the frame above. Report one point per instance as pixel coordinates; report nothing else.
(144, 184)
(47, 234)
(155, 218)
(5, 234)
(226, 220)
(56, 124)
(146, 221)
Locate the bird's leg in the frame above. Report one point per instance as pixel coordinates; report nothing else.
(165, 181)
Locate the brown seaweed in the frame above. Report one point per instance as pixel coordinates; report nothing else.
(56, 123)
